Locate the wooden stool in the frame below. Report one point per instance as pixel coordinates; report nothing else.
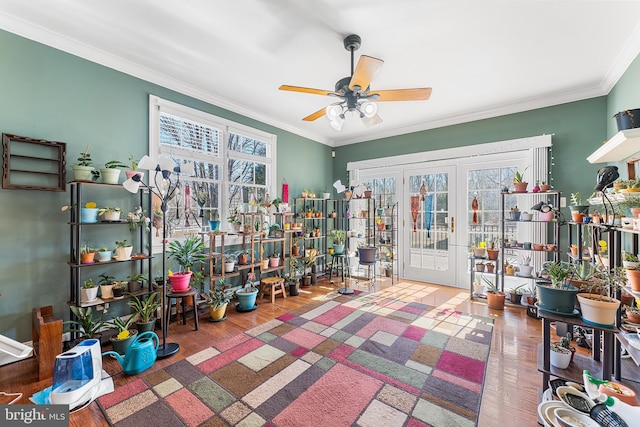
(272, 286)
(191, 292)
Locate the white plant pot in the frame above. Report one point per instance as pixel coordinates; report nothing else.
(630, 264)
(525, 270)
(106, 291)
(560, 358)
(82, 173)
(88, 294)
(229, 266)
(110, 175)
(598, 310)
(478, 289)
(479, 252)
(111, 216)
(124, 254)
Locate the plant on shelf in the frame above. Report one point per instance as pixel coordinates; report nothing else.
(133, 161)
(186, 253)
(84, 170)
(113, 164)
(234, 219)
(632, 313)
(561, 353)
(123, 250)
(558, 296)
(85, 325)
(558, 272)
(495, 297)
(136, 282)
(110, 171)
(137, 218)
(89, 291)
(519, 183)
(519, 176)
(110, 214)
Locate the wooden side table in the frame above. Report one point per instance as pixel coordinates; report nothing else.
(272, 286)
(191, 292)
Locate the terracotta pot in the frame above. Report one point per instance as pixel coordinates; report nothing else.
(490, 268)
(295, 250)
(496, 300)
(544, 187)
(633, 277)
(480, 267)
(493, 254)
(577, 217)
(243, 259)
(633, 317)
(87, 258)
(520, 187)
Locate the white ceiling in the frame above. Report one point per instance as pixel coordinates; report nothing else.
(482, 58)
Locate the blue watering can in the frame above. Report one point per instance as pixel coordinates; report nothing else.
(140, 355)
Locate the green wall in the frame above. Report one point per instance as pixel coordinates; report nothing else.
(48, 94)
(624, 96)
(52, 95)
(578, 128)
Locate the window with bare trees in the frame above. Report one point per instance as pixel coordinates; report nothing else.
(233, 164)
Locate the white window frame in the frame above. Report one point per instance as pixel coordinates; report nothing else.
(158, 105)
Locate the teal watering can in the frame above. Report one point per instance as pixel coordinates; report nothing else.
(140, 355)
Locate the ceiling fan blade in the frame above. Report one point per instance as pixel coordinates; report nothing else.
(308, 90)
(365, 71)
(416, 94)
(311, 117)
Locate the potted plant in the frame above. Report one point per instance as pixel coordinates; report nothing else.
(137, 218)
(87, 254)
(480, 266)
(235, 223)
(560, 356)
(632, 314)
(86, 325)
(509, 269)
(366, 253)
(514, 213)
(492, 251)
(295, 247)
(519, 183)
(103, 254)
(218, 299)
(124, 333)
(230, 263)
(515, 294)
(89, 291)
(247, 298)
(136, 282)
(118, 290)
(133, 161)
(106, 285)
(495, 297)
(578, 208)
(110, 171)
(338, 236)
(525, 268)
(274, 260)
(187, 253)
(599, 309)
(388, 270)
(478, 287)
(630, 260)
(123, 250)
(83, 170)
(214, 220)
(557, 296)
(243, 257)
(109, 214)
(489, 267)
(306, 263)
(146, 309)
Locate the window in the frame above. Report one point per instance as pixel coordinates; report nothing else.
(233, 164)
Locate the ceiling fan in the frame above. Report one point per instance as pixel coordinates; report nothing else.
(355, 92)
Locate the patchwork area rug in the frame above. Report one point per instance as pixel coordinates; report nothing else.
(372, 360)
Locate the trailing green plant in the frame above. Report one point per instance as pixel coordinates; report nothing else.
(86, 325)
(145, 308)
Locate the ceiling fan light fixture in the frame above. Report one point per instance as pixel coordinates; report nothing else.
(369, 109)
(337, 122)
(333, 111)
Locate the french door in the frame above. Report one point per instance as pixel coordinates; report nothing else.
(429, 224)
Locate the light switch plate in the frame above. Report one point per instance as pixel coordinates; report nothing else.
(563, 202)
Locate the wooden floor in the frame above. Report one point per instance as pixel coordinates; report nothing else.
(510, 395)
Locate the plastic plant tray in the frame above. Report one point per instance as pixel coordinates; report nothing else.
(14, 348)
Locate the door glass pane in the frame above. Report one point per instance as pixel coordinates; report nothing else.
(429, 243)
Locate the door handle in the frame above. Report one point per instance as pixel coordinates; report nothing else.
(453, 222)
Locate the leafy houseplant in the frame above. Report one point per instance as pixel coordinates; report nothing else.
(137, 218)
(495, 297)
(86, 325)
(136, 282)
(89, 291)
(561, 354)
(186, 253)
(110, 171)
(123, 250)
(124, 334)
(146, 310)
(83, 170)
(218, 299)
(338, 236)
(106, 285)
(557, 296)
(600, 308)
(519, 183)
(578, 207)
(110, 214)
